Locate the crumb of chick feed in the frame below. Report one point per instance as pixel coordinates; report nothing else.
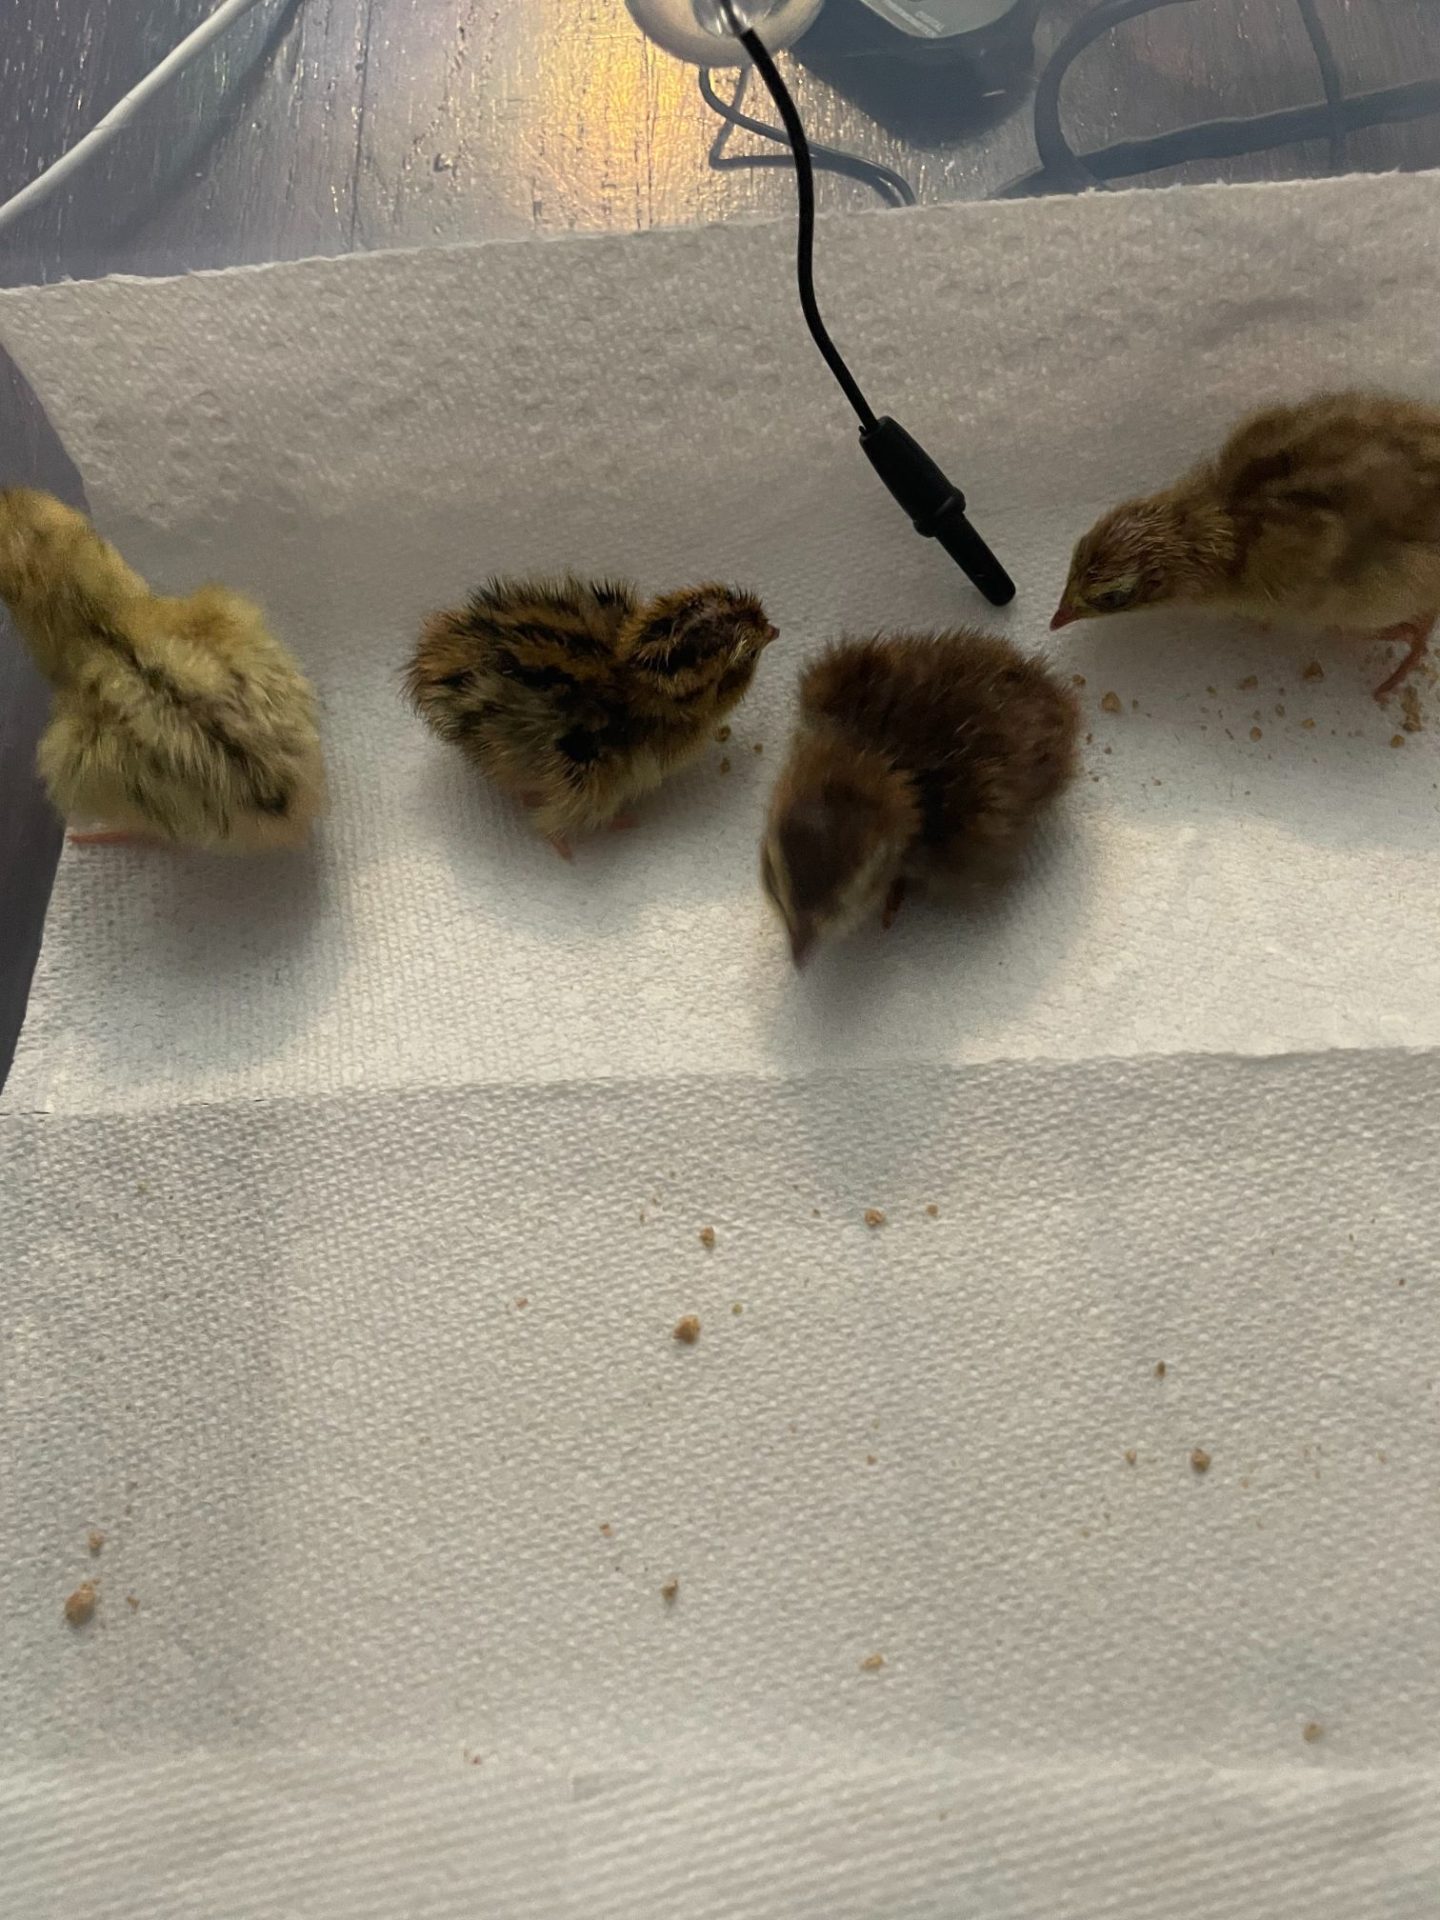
(1397, 739)
(933, 1211)
(725, 763)
(1110, 703)
(722, 734)
(1311, 1732)
(1308, 725)
(1077, 679)
(670, 1592)
(1256, 734)
(1313, 672)
(80, 1607)
(759, 747)
(872, 1663)
(1159, 1369)
(687, 1330)
(1249, 683)
(1414, 720)
(874, 1217)
(95, 1540)
(1200, 1460)
(132, 1603)
(1131, 1456)
(707, 1237)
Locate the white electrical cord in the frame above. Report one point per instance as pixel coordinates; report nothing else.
(123, 112)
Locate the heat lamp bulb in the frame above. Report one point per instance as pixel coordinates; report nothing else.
(698, 30)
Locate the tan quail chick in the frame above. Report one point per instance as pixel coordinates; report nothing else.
(1325, 514)
(576, 697)
(178, 720)
(918, 757)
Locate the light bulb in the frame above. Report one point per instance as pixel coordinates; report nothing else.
(699, 30)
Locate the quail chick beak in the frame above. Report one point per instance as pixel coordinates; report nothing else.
(1063, 616)
(802, 942)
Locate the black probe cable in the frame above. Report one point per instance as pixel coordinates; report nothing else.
(1210, 139)
(892, 187)
(934, 503)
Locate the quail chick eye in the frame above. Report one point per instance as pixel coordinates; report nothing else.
(1113, 599)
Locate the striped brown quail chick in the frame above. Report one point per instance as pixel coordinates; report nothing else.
(577, 698)
(178, 720)
(1324, 515)
(918, 757)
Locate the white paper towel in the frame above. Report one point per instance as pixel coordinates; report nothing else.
(351, 1201)
(358, 441)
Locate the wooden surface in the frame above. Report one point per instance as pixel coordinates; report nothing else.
(323, 126)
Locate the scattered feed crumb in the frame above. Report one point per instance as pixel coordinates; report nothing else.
(96, 1540)
(759, 747)
(1200, 1460)
(1256, 734)
(1279, 712)
(132, 1602)
(1077, 679)
(1308, 725)
(1397, 739)
(933, 1211)
(874, 1217)
(1089, 738)
(1311, 1732)
(1109, 749)
(1159, 1369)
(872, 1663)
(1314, 671)
(1212, 691)
(722, 734)
(1131, 1456)
(670, 1592)
(607, 1529)
(1249, 682)
(80, 1607)
(725, 763)
(870, 1460)
(738, 1308)
(524, 1299)
(687, 1330)
(1414, 720)
(1110, 703)
(707, 1237)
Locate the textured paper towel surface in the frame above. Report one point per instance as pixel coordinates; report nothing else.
(350, 1202)
(377, 1403)
(357, 441)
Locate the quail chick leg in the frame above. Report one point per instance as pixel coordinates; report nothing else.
(112, 837)
(894, 900)
(1416, 633)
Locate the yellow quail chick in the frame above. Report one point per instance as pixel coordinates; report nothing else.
(918, 756)
(1325, 514)
(174, 720)
(577, 698)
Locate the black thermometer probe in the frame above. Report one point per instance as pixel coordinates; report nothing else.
(933, 502)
